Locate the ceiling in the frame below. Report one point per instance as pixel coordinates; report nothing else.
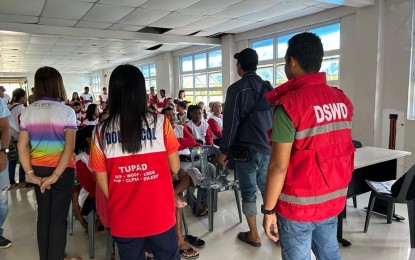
(82, 36)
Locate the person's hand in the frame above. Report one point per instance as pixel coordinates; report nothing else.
(32, 178)
(48, 181)
(174, 176)
(270, 227)
(223, 159)
(3, 161)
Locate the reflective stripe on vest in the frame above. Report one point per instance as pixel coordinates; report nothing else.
(323, 129)
(313, 200)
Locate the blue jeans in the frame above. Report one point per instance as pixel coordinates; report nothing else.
(4, 207)
(299, 238)
(252, 174)
(12, 172)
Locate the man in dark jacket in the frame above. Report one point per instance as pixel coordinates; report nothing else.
(250, 133)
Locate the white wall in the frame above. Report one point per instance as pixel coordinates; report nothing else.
(397, 37)
(75, 83)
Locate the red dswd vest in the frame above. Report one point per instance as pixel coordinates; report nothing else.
(322, 157)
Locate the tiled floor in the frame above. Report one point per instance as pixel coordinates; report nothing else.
(382, 242)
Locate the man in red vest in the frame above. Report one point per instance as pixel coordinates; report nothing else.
(311, 159)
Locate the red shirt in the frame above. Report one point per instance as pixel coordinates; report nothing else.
(141, 197)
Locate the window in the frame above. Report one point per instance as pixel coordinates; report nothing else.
(95, 86)
(201, 76)
(149, 73)
(271, 53)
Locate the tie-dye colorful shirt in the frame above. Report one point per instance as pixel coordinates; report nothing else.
(46, 121)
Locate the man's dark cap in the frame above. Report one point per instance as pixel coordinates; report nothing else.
(248, 58)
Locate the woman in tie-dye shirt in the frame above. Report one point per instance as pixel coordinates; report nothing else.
(46, 145)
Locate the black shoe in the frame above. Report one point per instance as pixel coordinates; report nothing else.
(4, 242)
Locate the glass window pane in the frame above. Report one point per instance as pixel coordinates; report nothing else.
(266, 72)
(152, 70)
(282, 44)
(148, 84)
(187, 81)
(204, 99)
(331, 68)
(215, 59)
(190, 97)
(330, 36)
(153, 83)
(264, 48)
(215, 80)
(281, 77)
(200, 81)
(215, 96)
(187, 63)
(200, 61)
(145, 71)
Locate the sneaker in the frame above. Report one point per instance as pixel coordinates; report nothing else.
(4, 242)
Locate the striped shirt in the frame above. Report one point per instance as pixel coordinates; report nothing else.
(46, 121)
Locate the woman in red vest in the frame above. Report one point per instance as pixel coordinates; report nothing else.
(134, 154)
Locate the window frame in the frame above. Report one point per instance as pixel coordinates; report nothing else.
(276, 61)
(150, 78)
(191, 93)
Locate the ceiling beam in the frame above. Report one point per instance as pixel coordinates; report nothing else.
(351, 3)
(106, 34)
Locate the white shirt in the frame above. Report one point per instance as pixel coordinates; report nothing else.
(6, 98)
(86, 97)
(88, 122)
(199, 132)
(178, 131)
(104, 97)
(16, 110)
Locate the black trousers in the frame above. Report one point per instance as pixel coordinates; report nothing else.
(53, 207)
(163, 246)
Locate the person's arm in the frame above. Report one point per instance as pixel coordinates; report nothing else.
(174, 162)
(5, 141)
(277, 170)
(102, 181)
(214, 127)
(283, 134)
(230, 124)
(63, 161)
(208, 137)
(23, 147)
(188, 141)
(97, 162)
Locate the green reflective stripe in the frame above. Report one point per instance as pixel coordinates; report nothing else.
(323, 129)
(313, 200)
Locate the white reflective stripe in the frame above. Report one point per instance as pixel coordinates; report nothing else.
(323, 129)
(313, 200)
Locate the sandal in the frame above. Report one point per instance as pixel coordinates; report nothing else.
(194, 241)
(189, 253)
(243, 236)
(203, 211)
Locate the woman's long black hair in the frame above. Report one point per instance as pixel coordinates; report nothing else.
(127, 107)
(90, 111)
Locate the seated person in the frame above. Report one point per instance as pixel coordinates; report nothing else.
(199, 128)
(79, 113)
(86, 176)
(216, 123)
(181, 112)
